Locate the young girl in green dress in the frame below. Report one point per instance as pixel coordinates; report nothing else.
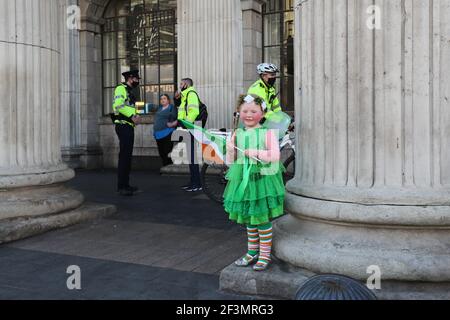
(254, 195)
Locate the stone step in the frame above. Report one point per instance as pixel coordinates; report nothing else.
(282, 281)
(279, 281)
(20, 228)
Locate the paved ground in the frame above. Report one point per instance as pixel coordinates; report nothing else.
(162, 244)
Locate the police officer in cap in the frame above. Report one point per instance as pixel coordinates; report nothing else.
(125, 119)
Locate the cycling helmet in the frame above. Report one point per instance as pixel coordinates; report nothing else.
(267, 68)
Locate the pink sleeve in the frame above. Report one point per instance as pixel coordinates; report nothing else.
(272, 152)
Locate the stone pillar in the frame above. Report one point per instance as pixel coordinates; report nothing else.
(91, 81)
(31, 170)
(70, 87)
(210, 52)
(33, 198)
(252, 38)
(372, 183)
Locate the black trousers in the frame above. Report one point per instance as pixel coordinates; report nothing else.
(165, 146)
(194, 168)
(125, 133)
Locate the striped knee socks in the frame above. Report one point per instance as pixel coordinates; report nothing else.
(253, 240)
(265, 244)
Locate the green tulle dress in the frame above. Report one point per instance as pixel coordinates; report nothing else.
(255, 191)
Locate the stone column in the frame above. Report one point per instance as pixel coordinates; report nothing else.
(252, 38)
(372, 183)
(31, 170)
(91, 81)
(210, 52)
(33, 198)
(70, 87)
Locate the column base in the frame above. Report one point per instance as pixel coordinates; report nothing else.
(282, 281)
(37, 201)
(402, 253)
(20, 228)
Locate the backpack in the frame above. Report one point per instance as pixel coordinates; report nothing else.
(203, 115)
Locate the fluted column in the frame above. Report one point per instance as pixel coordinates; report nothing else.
(210, 52)
(70, 87)
(372, 183)
(31, 170)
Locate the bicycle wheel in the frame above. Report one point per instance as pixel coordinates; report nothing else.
(213, 181)
(289, 164)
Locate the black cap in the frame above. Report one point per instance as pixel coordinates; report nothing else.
(131, 73)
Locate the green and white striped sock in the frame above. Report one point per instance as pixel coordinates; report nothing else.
(265, 244)
(253, 240)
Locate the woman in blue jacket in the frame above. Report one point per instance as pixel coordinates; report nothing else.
(165, 123)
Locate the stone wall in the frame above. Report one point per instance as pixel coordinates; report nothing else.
(218, 43)
(99, 140)
(145, 147)
(91, 95)
(252, 39)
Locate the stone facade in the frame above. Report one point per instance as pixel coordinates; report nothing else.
(252, 39)
(70, 88)
(219, 45)
(91, 82)
(210, 52)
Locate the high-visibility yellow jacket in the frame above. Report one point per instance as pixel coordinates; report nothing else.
(269, 95)
(122, 106)
(191, 103)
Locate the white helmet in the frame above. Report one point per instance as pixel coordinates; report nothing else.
(267, 68)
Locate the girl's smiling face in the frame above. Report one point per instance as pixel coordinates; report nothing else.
(251, 114)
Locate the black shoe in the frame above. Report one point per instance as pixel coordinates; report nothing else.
(188, 186)
(194, 189)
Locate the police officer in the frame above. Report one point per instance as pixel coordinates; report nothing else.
(265, 87)
(125, 118)
(188, 110)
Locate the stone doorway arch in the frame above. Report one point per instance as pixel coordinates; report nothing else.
(92, 11)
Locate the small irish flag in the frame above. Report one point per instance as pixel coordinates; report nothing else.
(215, 142)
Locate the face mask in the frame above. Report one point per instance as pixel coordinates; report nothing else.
(135, 84)
(272, 81)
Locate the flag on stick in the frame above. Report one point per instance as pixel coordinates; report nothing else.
(217, 142)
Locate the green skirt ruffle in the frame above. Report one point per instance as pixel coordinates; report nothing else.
(263, 198)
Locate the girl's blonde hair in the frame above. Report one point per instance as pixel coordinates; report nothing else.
(256, 99)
